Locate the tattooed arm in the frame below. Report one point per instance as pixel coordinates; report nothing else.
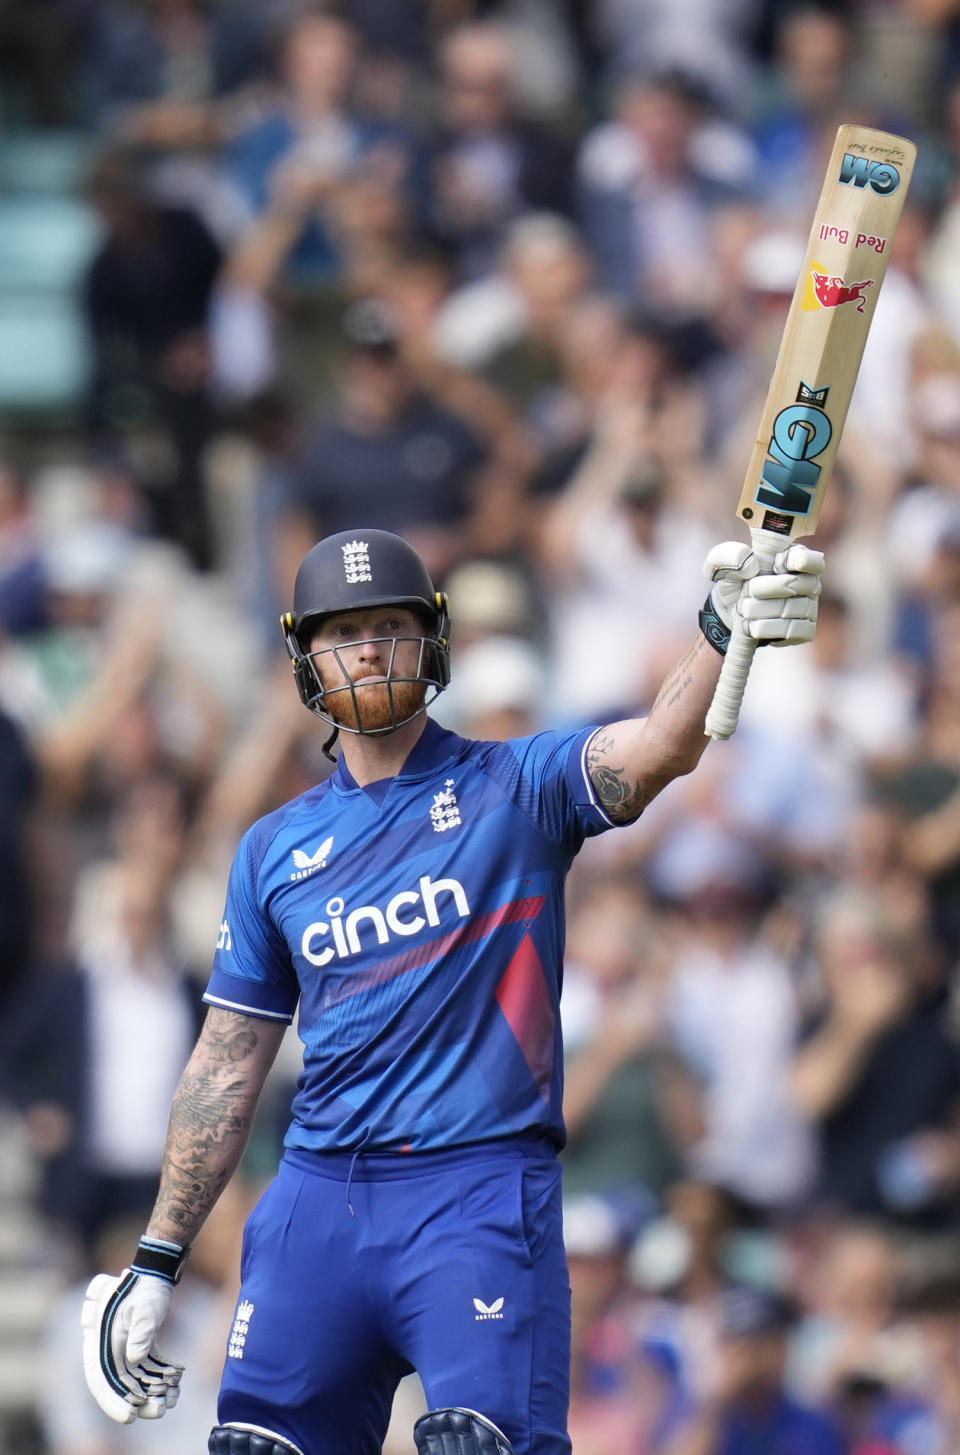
(210, 1119)
(630, 762)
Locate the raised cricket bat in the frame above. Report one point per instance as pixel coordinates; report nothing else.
(823, 339)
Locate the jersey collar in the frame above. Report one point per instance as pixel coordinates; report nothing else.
(434, 747)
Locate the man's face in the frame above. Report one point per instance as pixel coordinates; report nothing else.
(373, 649)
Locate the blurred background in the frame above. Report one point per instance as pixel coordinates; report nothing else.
(508, 278)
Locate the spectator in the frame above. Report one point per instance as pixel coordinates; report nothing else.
(19, 886)
(807, 95)
(749, 1408)
(628, 1105)
(147, 297)
(849, 1328)
(679, 1264)
(877, 1072)
(612, 537)
(924, 792)
(733, 1014)
(82, 1078)
(620, 1399)
(649, 195)
(383, 428)
(155, 75)
(288, 166)
(490, 164)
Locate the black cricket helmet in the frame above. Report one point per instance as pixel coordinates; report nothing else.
(352, 571)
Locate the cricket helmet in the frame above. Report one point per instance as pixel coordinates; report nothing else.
(352, 571)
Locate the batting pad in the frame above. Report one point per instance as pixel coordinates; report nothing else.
(459, 1432)
(248, 1440)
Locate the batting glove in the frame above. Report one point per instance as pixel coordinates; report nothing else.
(124, 1370)
(778, 608)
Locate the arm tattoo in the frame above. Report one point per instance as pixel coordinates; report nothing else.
(677, 682)
(621, 799)
(673, 738)
(210, 1120)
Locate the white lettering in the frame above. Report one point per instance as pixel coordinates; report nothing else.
(345, 932)
(311, 933)
(431, 893)
(376, 919)
(399, 926)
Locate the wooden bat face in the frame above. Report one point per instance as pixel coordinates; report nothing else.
(823, 340)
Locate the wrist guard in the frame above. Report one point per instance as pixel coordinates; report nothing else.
(714, 627)
(160, 1259)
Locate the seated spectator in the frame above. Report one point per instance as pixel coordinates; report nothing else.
(620, 1398)
(679, 1266)
(388, 455)
(490, 163)
(748, 1408)
(849, 1325)
(506, 323)
(876, 1072)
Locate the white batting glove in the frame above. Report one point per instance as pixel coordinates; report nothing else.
(779, 609)
(124, 1370)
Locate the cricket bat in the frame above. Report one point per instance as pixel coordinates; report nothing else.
(823, 339)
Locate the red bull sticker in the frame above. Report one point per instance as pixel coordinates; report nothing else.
(827, 290)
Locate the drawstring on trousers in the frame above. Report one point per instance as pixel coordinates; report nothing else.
(353, 1163)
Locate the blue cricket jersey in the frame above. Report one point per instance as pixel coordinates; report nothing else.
(419, 922)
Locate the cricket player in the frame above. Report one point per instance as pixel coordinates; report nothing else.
(409, 910)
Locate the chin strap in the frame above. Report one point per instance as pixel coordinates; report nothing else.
(329, 744)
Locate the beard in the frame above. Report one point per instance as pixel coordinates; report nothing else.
(373, 704)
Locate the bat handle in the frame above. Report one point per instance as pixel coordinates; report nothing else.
(728, 695)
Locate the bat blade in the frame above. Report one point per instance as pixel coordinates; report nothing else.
(846, 258)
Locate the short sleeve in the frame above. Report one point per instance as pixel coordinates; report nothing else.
(252, 971)
(554, 786)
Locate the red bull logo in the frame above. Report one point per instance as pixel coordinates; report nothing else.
(827, 290)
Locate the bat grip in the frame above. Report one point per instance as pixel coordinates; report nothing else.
(724, 710)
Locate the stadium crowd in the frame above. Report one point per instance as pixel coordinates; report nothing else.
(507, 278)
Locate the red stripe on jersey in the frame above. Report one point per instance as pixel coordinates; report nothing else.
(420, 955)
(525, 1001)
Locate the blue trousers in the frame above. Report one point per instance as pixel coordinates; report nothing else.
(357, 1270)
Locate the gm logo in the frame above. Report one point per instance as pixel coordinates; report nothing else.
(790, 474)
(881, 177)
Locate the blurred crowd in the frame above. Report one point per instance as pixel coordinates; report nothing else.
(508, 278)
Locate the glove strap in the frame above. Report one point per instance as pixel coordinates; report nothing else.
(160, 1259)
(714, 627)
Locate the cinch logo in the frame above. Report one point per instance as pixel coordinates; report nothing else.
(344, 928)
(790, 474)
(881, 177)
